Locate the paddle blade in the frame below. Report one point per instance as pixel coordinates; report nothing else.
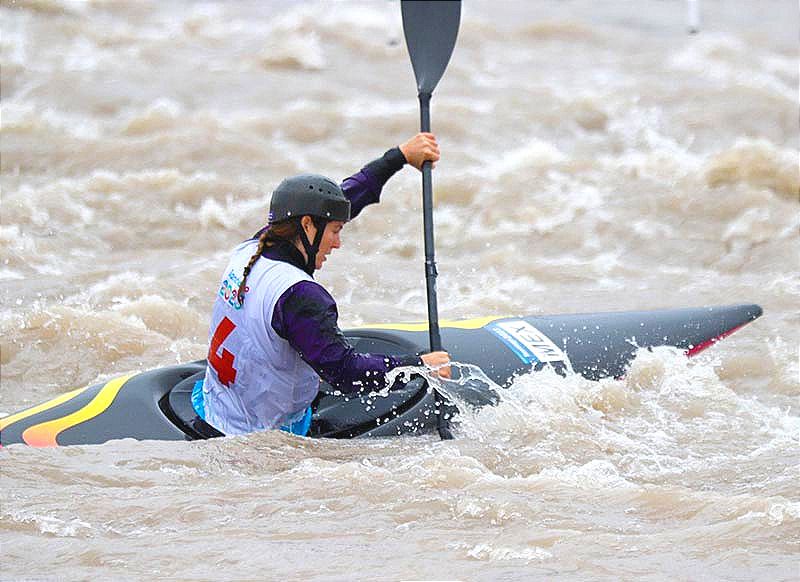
(431, 28)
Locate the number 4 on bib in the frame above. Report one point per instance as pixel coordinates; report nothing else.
(222, 363)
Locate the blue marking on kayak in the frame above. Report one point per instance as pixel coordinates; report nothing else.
(522, 352)
(527, 342)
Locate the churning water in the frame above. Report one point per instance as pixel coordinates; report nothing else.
(595, 157)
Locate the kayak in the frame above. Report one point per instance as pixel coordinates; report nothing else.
(157, 404)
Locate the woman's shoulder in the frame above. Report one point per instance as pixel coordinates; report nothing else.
(310, 290)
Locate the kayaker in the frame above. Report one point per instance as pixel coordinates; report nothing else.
(274, 330)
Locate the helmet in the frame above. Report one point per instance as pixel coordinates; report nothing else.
(308, 194)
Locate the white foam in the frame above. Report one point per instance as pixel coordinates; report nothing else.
(535, 153)
(290, 50)
(597, 474)
(732, 63)
(48, 524)
(161, 114)
(493, 553)
(25, 117)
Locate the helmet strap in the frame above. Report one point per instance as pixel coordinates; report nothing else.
(313, 248)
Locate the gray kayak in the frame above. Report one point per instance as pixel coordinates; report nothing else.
(157, 404)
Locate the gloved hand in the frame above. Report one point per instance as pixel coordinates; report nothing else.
(438, 361)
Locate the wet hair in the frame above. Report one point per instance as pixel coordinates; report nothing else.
(286, 230)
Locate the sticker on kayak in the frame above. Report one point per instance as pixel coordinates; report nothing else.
(531, 345)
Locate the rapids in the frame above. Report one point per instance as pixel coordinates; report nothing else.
(594, 157)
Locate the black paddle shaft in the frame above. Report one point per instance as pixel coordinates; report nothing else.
(427, 218)
(442, 426)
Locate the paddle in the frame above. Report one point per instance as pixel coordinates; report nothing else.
(430, 29)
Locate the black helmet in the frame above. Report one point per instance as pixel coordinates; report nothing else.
(308, 194)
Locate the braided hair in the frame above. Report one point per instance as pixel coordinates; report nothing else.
(287, 230)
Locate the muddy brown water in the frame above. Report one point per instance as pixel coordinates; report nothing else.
(595, 157)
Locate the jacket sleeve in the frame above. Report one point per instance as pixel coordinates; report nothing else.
(307, 317)
(364, 187)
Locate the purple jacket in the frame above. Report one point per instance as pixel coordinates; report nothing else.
(306, 315)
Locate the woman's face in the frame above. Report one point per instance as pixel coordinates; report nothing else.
(330, 238)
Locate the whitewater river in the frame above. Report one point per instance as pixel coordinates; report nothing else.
(596, 157)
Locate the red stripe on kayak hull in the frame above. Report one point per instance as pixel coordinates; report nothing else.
(694, 350)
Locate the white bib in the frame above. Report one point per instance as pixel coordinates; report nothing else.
(254, 379)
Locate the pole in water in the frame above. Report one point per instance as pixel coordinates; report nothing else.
(430, 28)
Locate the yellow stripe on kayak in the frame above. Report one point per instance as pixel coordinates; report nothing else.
(9, 420)
(44, 434)
(476, 323)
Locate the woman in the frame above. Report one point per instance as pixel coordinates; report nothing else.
(274, 331)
